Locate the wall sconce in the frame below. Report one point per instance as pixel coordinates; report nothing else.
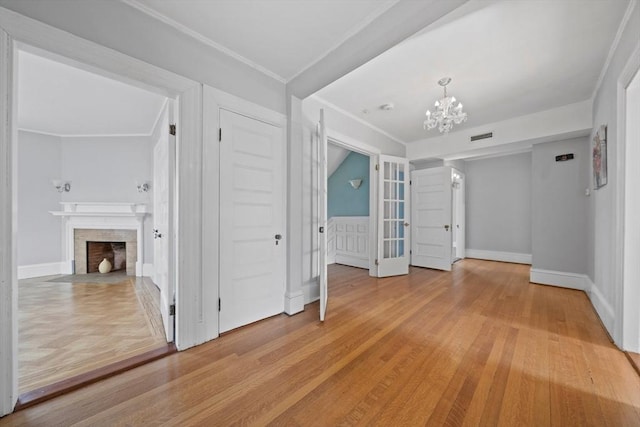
(61, 186)
(355, 183)
(143, 187)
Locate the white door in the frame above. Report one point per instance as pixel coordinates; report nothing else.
(459, 228)
(431, 215)
(252, 249)
(163, 179)
(393, 211)
(322, 214)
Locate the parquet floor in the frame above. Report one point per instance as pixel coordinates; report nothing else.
(480, 346)
(66, 329)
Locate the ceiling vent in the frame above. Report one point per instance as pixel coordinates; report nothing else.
(482, 136)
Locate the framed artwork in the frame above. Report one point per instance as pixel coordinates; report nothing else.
(600, 157)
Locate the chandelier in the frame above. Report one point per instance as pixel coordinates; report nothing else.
(446, 114)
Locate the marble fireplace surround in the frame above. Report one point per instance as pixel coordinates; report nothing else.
(94, 221)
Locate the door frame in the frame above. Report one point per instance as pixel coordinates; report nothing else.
(625, 318)
(360, 147)
(18, 32)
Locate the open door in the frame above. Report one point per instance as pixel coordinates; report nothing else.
(322, 214)
(164, 159)
(393, 210)
(431, 216)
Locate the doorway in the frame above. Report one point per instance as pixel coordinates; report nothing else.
(84, 175)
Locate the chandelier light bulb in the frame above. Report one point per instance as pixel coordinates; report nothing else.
(446, 113)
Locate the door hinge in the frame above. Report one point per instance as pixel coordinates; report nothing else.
(410, 252)
(321, 230)
(377, 263)
(172, 310)
(377, 167)
(219, 304)
(219, 134)
(172, 130)
(410, 182)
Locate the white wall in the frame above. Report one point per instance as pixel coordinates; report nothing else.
(39, 232)
(603, 211)
(106, 169)
(498, 204)
(560, 207)
(348, 127)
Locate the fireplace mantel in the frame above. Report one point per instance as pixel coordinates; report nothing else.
(102, 216)
(70, 209)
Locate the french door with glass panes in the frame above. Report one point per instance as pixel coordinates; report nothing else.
(393, 216)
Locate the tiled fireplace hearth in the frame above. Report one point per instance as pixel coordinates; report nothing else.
(103, 222)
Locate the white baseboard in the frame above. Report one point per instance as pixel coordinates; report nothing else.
(39, 270)
(293, 302)
(602, 306)
(514, 257)
(147, 270)
(559, 278)
(352, 261)
(311, 291)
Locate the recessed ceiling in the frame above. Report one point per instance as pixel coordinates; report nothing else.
(506, 58)
(59, 99)
(281, 37)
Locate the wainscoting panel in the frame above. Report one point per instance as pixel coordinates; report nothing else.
(348, 240)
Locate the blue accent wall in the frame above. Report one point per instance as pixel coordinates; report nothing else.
(342, 199)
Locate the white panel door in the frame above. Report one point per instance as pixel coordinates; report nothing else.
(163, 179)
(252, 249)
(322, 214)
(393, 210)
(431, 216)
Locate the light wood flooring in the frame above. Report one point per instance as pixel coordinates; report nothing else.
(480, 346)
(66, 328)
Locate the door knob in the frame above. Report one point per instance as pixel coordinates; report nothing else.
(446, 227)
(278, 237)
(156, 234)
(406, 224)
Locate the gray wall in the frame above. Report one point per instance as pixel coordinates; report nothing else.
(39, 232)
(498, 204)
(560, 206)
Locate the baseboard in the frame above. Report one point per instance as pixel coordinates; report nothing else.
(293, 302)
(559, 278)
(514, 257)
(147, 270)
(602, 307)
(352, 261)
(311, 291)
(39, 270)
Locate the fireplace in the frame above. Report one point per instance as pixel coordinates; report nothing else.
(104, 223)
(114, 252)
(91, 246)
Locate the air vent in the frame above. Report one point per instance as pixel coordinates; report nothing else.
(482, 136)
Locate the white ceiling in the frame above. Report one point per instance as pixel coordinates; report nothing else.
(280, 37)
(59, 99)
(506, 58)
(335, 157)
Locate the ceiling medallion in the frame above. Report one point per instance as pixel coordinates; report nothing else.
(446, 114)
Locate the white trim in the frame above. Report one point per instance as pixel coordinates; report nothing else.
(294, 302)
(559, 278)
(352, 261)
(514, 257)
(601, 305)
(147, 270)
(358, 119)
(352, 32)
(8, 228)
(201, 38)
(40, 270)
(614, 45)
(504, 153)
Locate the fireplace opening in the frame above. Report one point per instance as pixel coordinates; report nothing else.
(115, 252)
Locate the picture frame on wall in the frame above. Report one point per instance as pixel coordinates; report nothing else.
(600, 157)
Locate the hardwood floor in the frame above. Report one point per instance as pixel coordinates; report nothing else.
(66, 329)
(480, 346)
